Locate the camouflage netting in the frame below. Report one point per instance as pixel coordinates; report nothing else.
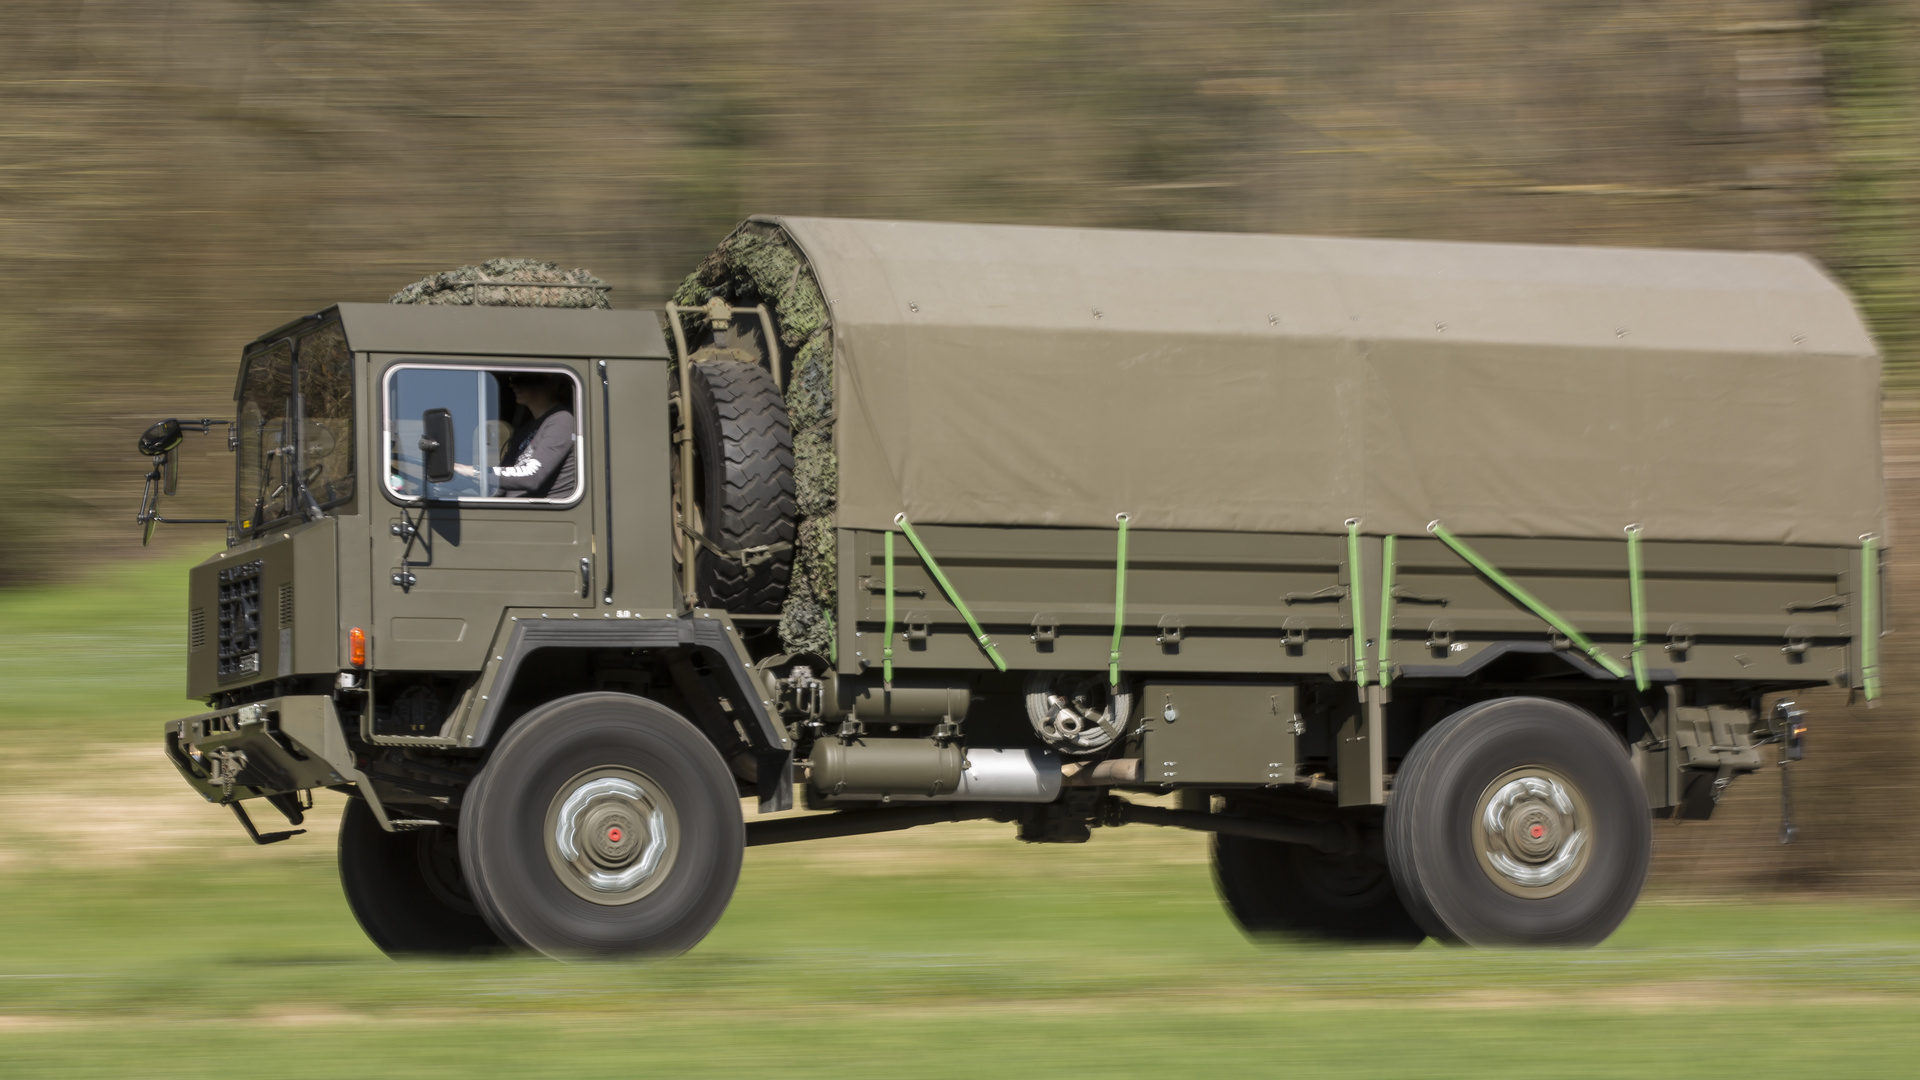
(492, 284)
(758, 265)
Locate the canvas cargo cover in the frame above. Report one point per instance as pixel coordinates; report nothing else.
(1048, 376)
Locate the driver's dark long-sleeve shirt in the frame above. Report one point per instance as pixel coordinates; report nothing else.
(537, 462)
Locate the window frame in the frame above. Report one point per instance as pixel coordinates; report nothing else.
(386, 435)
(253, 352)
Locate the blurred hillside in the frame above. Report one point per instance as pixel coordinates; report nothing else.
(179, 177)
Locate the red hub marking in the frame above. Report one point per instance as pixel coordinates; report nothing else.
(613, 835)
(1536, 832)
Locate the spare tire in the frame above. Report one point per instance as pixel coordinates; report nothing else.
(743, 488)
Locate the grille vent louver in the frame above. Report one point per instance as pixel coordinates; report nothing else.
(239, 629)
(286, 606)
(197, 630)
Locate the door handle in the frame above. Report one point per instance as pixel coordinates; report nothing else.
(586, 578)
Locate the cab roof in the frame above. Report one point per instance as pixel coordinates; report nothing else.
(461, 330)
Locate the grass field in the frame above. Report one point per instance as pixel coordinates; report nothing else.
(140, 935)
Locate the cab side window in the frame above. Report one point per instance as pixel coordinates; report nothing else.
(516, 432)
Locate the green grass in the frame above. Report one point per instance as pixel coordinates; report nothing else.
(102, 660)
(952, 952)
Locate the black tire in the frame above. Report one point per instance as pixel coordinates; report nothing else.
(686, 856)
(1290, 890)
(1447, 861)
(407, 889)
(743, 454)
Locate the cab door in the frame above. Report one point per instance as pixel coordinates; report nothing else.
(451, 556)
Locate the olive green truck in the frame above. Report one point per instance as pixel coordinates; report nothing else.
(1425, 576)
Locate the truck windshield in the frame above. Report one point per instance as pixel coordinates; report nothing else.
(267, 478)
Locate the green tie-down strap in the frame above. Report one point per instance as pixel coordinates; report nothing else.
(1869, 629)
(886, 650)
(1637, 596)
(946, 587)
(1357, 595)
(1387, 546)
(1119, 603)
(1527, 600)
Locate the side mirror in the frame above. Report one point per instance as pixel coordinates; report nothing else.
(162, 437)
(436, 445)
(161, 442)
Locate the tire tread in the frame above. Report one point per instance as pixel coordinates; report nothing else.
(740, 422)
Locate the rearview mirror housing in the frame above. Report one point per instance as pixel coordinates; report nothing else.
(436, 445)
(162, 437)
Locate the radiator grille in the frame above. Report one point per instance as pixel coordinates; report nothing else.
(286, 606)
(240, 620)
(197, 629)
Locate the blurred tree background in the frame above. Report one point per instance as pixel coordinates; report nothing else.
(178, 176)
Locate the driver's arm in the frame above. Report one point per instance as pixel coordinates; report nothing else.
(545, 457)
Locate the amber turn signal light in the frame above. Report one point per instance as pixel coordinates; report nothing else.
(357, 647)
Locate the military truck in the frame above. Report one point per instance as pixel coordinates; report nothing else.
(1424, 576)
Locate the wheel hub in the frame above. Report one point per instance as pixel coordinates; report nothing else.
(611, 835)
(1072, 715)
(1531, 832)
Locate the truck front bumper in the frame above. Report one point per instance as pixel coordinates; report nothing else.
(273, 747)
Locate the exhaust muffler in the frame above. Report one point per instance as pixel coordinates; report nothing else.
(913, 770)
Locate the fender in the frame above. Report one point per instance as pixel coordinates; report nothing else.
(701, 629)
(1498, 649)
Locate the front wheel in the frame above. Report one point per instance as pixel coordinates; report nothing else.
(1519, 822)
(407, 889)
(604, 824)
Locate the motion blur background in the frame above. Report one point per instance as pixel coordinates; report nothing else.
(177, 177)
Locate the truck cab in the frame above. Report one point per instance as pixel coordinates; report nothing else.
(359, 589)
(332, 410)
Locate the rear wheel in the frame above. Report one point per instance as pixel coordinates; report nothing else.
(1519, 822)
(604, 824)
(407, 889)
(1294, 891)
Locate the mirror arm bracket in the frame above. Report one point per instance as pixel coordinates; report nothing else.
(161, 442)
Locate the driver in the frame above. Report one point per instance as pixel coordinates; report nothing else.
(537, 461)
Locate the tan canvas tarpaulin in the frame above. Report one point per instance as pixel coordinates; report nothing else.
(1040, 376)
